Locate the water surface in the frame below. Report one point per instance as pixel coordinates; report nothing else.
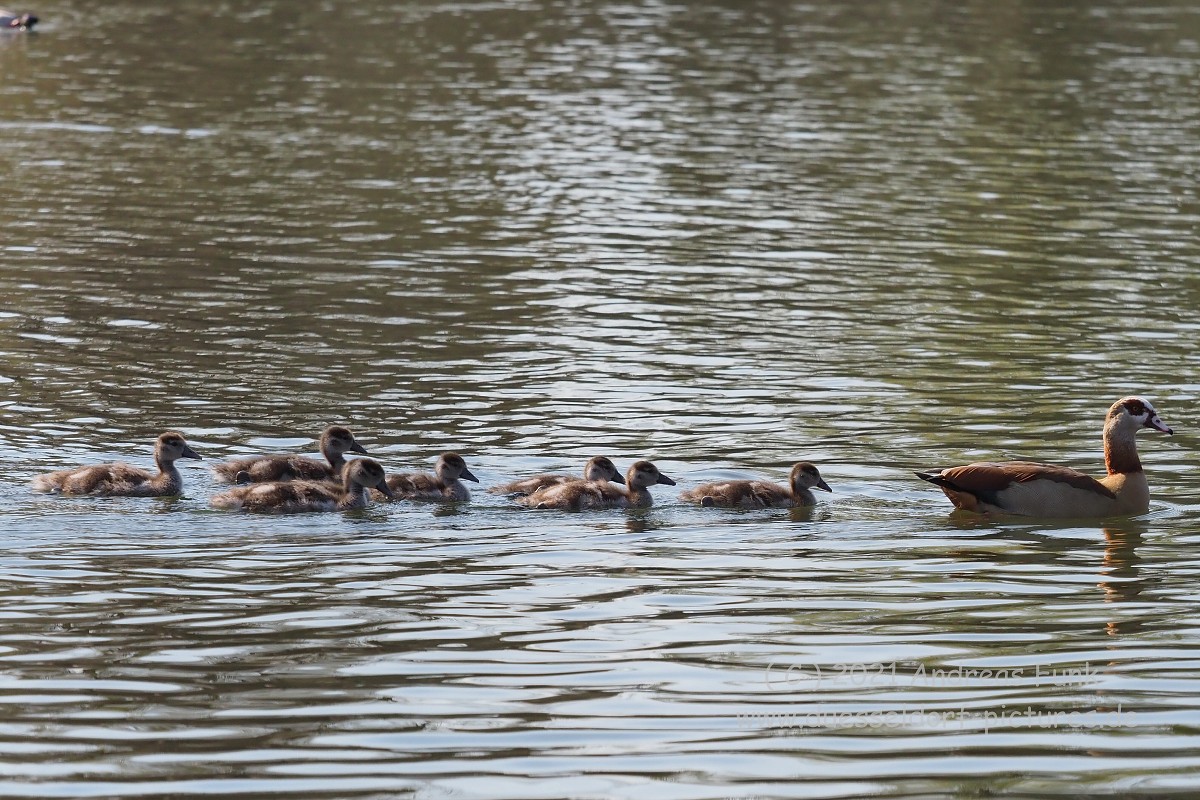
(725, 237)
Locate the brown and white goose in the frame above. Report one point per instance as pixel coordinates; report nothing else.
(584, 495)
(598, 468)
(12, 21)
(761, 494)
(335, 442)
(444, 484)
(1045, 490)
(122, 480)
(292, 497)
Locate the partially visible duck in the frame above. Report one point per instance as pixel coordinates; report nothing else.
(444, 484)
(583, 495)
(598, 468)
(10, 20)
(761, 494)
(122, 480)
(291, 497)
(1045, 490)
(335, 442)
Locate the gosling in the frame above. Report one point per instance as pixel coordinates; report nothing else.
(586, 495)
(293, 497)
(122, 480)
(761, 494)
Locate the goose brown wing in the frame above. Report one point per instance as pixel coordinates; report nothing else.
(986, 480)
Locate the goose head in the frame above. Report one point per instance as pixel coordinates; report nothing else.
(643, 474)
(600, 468)
(806, 476)
(171, 446)
(368, 473)
(451, 467)
(1134, 413)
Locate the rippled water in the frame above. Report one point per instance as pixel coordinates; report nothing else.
(721, 236)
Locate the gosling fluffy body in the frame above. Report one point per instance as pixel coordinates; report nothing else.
(335, 442)
(585, 495)
(292, 497)
(122, 480)
(761, 494)
(598, 468)
(444, 484)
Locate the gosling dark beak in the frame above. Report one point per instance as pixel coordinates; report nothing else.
(385, 490)
(619, 479)
(358, 448)
(466, 475)
(190, 453)
(821, 484)
(663, 479)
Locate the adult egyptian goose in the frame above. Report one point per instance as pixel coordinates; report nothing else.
(444, 484)
(12, 21)
(584, 495)
(291, 497)
(122, 480)
(598, 468)
(1045, 490)
(335, 442)
(761, 494)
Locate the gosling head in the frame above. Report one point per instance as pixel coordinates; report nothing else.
(452, 467)
(171, 446)
(600, 468)
(806, 476)
(368, 473)
(643, 474)
(337, 439)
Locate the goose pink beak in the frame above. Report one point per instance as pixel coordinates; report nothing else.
(1159, 425)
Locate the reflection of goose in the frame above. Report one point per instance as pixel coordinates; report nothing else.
(10, 20)
(1045, 490)
(122, 480)
(761, 494)
(584, 495)
(335, 441)
(444, 484)
(1121, 582)
(598, 468)
(290, 497)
